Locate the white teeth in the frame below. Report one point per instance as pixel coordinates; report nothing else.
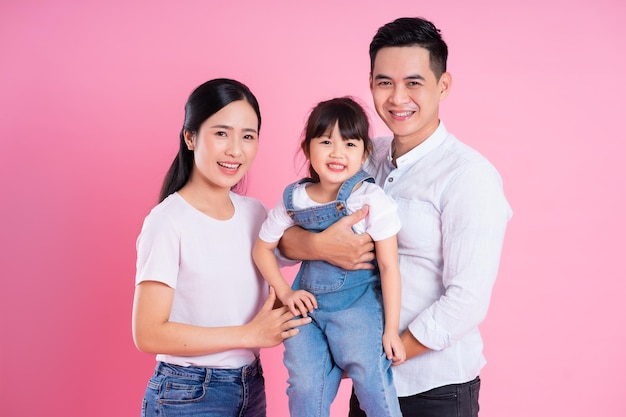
(403, 114)
(335, 166)
(229, 166)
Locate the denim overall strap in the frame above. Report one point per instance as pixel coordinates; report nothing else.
(288, 193)
(344, 191)
(346, 188)
(318, 217)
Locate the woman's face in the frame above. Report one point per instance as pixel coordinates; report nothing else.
(225, 145)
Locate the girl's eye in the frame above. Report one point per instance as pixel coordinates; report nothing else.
(220, 133)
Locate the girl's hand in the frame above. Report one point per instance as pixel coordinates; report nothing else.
(394, 348)
(299, 302)
(271, 326)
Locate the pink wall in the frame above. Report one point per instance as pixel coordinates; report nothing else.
(91, 99)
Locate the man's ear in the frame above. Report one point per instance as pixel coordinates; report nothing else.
(445, 84)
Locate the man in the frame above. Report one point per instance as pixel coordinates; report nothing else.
(453, 213)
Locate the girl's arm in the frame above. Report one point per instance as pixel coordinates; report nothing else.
(387, 256)
(154, 333)
(299, 302)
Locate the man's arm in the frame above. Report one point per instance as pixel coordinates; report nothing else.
(337, 245)
(412, 346)
(473, 223)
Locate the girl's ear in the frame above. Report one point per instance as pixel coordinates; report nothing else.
(189, 139)
(366, 154)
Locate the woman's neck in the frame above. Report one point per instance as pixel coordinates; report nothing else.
(213, 201)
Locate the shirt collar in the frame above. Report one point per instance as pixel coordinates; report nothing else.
(417, 153)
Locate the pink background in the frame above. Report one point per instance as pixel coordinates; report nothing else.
(91, 103)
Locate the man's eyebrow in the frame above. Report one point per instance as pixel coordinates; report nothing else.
(408, 77)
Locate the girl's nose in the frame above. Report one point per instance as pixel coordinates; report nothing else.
(336, 151)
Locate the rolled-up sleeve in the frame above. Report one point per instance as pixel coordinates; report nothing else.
(474, 215)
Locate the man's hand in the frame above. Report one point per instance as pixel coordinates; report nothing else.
(412, 346)
(337, 245)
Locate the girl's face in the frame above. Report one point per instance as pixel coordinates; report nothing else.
(334, 158)
(225, 145)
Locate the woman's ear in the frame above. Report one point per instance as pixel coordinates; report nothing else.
(189, 139)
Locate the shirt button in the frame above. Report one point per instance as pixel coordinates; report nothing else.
(390, 179)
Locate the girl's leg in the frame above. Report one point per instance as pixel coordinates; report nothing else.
(355, 339)
(313, 376)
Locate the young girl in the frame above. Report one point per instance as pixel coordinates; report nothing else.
(198, 298)
(348, 332)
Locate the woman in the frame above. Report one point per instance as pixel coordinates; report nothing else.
(198, 299)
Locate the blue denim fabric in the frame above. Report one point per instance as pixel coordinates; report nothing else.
(178, 391)
(347, 327)
(456, 400)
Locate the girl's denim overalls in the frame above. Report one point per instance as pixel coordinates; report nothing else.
(347, 327)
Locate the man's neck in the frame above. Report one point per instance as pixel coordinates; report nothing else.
(402, 145)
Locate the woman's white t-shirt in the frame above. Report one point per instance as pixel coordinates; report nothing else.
(209, 264)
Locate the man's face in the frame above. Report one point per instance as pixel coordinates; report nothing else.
(406, 93)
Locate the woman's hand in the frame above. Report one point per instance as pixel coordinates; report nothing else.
(271, 326)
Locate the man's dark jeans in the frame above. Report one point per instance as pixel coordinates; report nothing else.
(456, 400)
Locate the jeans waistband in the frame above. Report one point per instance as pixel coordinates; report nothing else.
(204, 373)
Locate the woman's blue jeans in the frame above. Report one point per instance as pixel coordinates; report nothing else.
(178, 391)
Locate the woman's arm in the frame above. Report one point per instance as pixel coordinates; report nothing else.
(337, 245)
(154, 333)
